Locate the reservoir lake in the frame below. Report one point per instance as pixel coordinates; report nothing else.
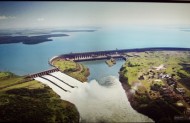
(24, 59)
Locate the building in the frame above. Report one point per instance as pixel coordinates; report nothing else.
(180, 91)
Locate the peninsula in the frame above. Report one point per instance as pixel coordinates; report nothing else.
(28, 39)
(35, 36)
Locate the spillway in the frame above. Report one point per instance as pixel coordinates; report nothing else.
(60, 83)
(63, 81)
(64, 95)
(67, 78)
(103, 101)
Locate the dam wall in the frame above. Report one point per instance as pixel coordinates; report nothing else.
(117, 54)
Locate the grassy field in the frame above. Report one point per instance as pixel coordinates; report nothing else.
(138, 65)
(5, 75)
(76, 70)
(65, 65)
(31, 101)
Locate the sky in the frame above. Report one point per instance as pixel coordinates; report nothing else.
(59, 14)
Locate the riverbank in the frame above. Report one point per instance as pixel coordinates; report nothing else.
(156, 84)
(23, 100)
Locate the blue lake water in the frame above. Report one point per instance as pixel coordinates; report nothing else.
(99, 69)
(26, 59)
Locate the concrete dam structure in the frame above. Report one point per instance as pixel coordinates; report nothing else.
(60, 81)
(116, 54)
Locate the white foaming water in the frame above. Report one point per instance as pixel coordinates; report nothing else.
(103, 101)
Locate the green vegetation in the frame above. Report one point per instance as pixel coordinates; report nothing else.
(5, 75)
(155, 77)
(76, 70)
(139, 65)
(31, 101)
(64, 65)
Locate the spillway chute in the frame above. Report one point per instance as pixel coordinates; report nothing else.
(63, 94)
(67, 78)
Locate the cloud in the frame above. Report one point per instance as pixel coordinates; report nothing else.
(3, 17)
(40, 19)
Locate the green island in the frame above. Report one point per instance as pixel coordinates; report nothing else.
(157, 84)
(25, 100)
(111, 62)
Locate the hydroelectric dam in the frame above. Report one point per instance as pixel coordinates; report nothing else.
(60, 81)
(94, 100)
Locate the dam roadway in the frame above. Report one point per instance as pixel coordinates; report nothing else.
(118, 53)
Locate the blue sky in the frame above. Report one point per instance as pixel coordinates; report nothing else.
(60, 14)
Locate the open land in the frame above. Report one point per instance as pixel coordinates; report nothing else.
(73, 69)
(157, 84)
